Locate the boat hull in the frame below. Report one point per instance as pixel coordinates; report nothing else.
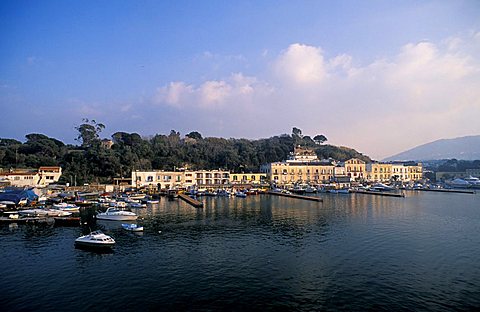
(116, 218)
(94, 245)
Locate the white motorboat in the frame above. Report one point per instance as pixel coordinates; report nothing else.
(118, 204)
(136, 205)
(241, 194)
(132, 227)
(116, 215)
(475, 182)
(66, 207)
(95, 239)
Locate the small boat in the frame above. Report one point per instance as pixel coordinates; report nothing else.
(66, 207)
(132, 227)
(240, 194)
(116, 215)
(95, 239)
(137, 205)
(171, 194)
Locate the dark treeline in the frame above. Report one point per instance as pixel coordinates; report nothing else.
(90, 161)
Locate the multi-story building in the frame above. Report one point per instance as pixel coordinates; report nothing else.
(406, 172)
(179, 179)
(248, 178)
(49, 174)
(212, 177)
(379, 172)
(309, 172)
(303, 166)
(355, 168)
(43, 176)
(158, 178)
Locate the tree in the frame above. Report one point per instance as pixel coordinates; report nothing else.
(296, 132)
(319, 138)
(297, 136)
(194, 135)
(89, 132)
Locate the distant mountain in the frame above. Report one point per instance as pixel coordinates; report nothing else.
(464, 148)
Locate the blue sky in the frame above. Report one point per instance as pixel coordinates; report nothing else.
(379, 76)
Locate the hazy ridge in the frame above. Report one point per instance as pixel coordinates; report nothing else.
(462, 148)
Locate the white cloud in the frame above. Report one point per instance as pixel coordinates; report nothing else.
(211, 94)
(425, 92)
(301, 64)
(174, 94)
(214, 93)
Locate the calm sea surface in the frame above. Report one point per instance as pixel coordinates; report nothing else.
(351, 252)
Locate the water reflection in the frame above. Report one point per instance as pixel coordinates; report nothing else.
(354, 252)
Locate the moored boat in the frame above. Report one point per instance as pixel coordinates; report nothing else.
(66, 207)
(133, 227)
(241, 194)
(116, 215)
(96, 239)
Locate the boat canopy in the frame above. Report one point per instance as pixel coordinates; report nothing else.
(16, 195)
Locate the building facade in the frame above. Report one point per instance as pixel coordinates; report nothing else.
(356, 169)
(407, 172)
(41, 177)
(248, 178)
(179, 179)
(283, 173)
(379, 172)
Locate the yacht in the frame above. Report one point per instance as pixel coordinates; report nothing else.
(475, 182)
(116, 215)
(95, 239)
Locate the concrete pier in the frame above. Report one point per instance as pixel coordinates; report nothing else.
(446, 191)
(378, 193)
(311, 198)
(195, 203)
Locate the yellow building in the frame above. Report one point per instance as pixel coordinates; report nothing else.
(356, 169)
(407, 172)
(309, 173)
(415, 171)
(379, 172)
(248, 178)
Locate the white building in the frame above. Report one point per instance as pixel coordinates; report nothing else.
(31, 178)
(179, 179)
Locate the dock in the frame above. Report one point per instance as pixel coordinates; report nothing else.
(195, 203)
(33, 220)
(446, 191)
(378, 193)
(311, 198)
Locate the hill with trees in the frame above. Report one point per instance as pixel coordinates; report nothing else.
(90, 161)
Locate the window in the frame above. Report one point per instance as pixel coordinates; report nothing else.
(149, 179)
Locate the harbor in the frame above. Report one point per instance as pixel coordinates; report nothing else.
(261, 248)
